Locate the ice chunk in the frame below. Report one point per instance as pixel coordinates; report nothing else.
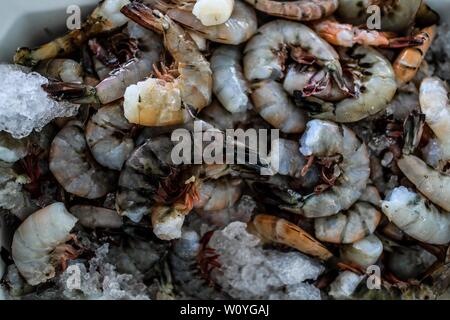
(24, 105)
(344, 285)
(250, 272)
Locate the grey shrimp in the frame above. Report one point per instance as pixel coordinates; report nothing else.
(327, 139)
(73, 166)
(66, 70)
(96, 217)
(108, 134)
(229, 84)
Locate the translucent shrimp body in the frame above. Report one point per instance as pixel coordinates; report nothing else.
(378, 87)
(264, 52)
(66, 70)
(364, 252)
(229, 84)
(325, 139)
(434, 103)
(218, 194)
(35, 242)
(430, 182)
(415, 216)
(296, 10)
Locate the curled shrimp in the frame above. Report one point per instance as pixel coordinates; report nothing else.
(265, 53)
(347, 35)
(327, 139)
(38, 246)
(73, 166)
(273, 229)
(229, 84)
(66, 70)
(353, 224)
(105, 17)
(296, 10)
(274, 105)
(409, 60)
(377, 88)
(218, 194)
(364, 252)
(414, 215)
(435, 105)
(108, 136)
(396, 15)
(141, 176)
(96, 217)
(301, 78)
(113, 87)
(240, 27)
(157, 102)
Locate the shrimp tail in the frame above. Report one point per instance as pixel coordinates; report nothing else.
(73, 92)
(404, 42)
(413, 129)
(143, 15)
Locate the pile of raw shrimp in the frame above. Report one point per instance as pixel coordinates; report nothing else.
(361, 184)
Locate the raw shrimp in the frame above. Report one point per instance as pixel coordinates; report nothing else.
(326, 139)
(141, 176)
(12, 150)
(184, 260)
(299, 10)
(108, 135)
(298, 79)
(273, 229)
(274, 105)
(105, 17)
(347, 35)
(96, 217)
(414, 215)
(435, 105)
(265, 53)
(409, 262)
(66, 70)
(157, 102)
(73, 166)
(212, 13)
(229, 84)
(396, 15)
(38, 245)
(377, 88)
(409, 60)
(430, 182)
(364, 253)
(113, 87)
(353, 224)
(218, 194)
(240, 27)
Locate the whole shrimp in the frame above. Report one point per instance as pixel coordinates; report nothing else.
(265, 54)
(409, 60)
(38, 246)
(105, 17)
(113, 87)
(66, 70)
(240, 27)
(396, 15)
(377, 88)
(158, 102)
(274, 105)
(108, 135)
(300, 78)
(327, 139)
(272, 229)
(347, 35)
(73, 166)
(353, 224)
(414, 215)
(229, 84)
(435, 105)
(296, 10)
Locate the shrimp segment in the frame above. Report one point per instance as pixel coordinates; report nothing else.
(38, 243)
(273, 229)
(105, 17)
(296, 10)
(192, 88)
(326, 139)
(415, 216)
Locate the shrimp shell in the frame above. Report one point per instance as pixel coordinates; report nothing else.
(96, 217)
